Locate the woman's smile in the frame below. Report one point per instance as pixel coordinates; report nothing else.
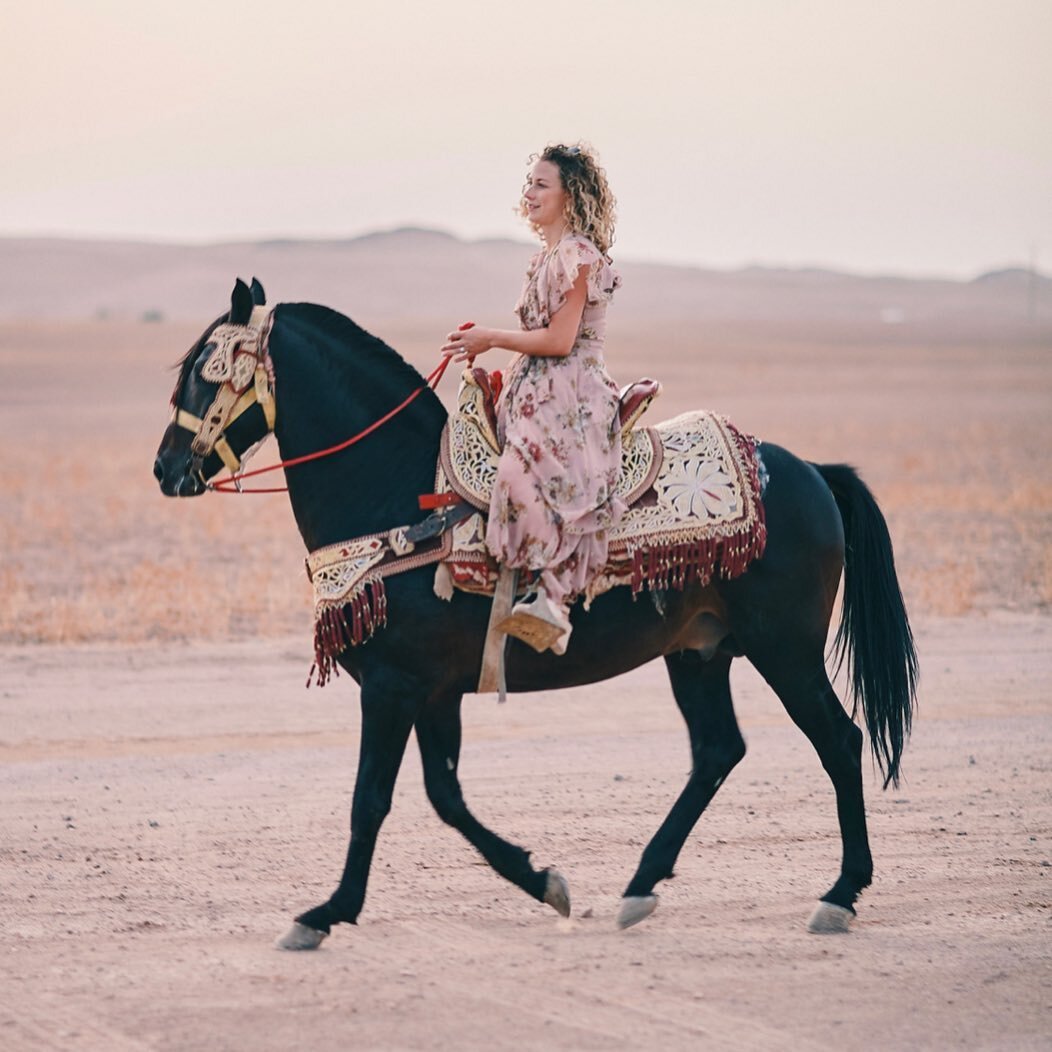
(545, 197)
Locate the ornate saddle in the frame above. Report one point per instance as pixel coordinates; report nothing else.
(692, 487)
(479, 391)
(470, 449)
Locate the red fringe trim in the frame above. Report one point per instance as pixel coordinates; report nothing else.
(350, 625)
(678, 565)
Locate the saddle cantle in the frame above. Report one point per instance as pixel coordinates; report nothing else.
(634, 400)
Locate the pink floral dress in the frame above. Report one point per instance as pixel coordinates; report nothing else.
(554, 497)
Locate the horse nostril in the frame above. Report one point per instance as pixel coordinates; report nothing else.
(189, 486)
(158, 470)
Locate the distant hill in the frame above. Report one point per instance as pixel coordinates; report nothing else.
(429, 274)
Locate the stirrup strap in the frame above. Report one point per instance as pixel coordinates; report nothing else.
(491, 675)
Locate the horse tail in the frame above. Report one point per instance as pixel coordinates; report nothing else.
(874, 635)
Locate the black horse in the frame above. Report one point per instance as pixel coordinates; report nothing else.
(331, 379)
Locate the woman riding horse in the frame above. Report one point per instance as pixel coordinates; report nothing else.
(313, 377)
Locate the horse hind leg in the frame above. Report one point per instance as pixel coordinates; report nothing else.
(798, 676)
(438, 733)
(703, 694)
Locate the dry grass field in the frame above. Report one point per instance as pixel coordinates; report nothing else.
(171, 795)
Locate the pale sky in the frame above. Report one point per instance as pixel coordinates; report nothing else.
(910, 136)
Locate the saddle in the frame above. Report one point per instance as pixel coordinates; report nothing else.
(479, 391)
(470, 449)
(692, 486)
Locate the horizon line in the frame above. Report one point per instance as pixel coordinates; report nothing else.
(412, 228)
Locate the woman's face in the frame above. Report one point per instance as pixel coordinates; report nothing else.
(544, 195)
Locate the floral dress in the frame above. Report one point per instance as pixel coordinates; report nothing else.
(554, 496)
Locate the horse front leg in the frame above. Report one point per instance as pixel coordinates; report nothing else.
(388, 708)
(703, 693)
(438, 733)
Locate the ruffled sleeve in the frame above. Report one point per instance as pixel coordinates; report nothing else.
(563, 268)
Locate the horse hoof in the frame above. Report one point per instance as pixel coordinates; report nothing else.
(300, 937)
(557, 893)
(635, 908)
(830, 919)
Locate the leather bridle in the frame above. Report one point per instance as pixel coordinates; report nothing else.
(240, 364)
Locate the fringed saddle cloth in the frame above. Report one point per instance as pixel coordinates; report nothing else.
(692, 486)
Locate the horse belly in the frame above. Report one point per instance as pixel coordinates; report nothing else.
(704, 633)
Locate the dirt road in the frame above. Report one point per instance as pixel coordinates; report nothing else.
(166, 811)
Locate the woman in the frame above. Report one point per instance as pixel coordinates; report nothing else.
(554, 496)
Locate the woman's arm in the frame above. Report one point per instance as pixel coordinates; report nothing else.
(555, 341)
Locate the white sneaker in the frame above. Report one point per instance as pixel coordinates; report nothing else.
(538, 621)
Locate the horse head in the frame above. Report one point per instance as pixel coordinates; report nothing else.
(225, 374)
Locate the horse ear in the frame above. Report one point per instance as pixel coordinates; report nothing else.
(259, 297)
(240, 303)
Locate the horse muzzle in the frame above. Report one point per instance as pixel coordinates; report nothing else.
(178, 480)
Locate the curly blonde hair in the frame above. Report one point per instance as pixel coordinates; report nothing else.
(590, 203)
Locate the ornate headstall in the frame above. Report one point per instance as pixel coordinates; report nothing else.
(240, 364)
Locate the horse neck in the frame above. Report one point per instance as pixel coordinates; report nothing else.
(332, 380)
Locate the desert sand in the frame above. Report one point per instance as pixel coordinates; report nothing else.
(171, 795)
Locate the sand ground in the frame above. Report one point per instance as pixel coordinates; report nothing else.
(167, 810)
(171, 794)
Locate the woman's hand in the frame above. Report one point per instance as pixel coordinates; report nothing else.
(467, 342)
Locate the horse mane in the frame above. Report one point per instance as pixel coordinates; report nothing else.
(342, 331)
(347, 338)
